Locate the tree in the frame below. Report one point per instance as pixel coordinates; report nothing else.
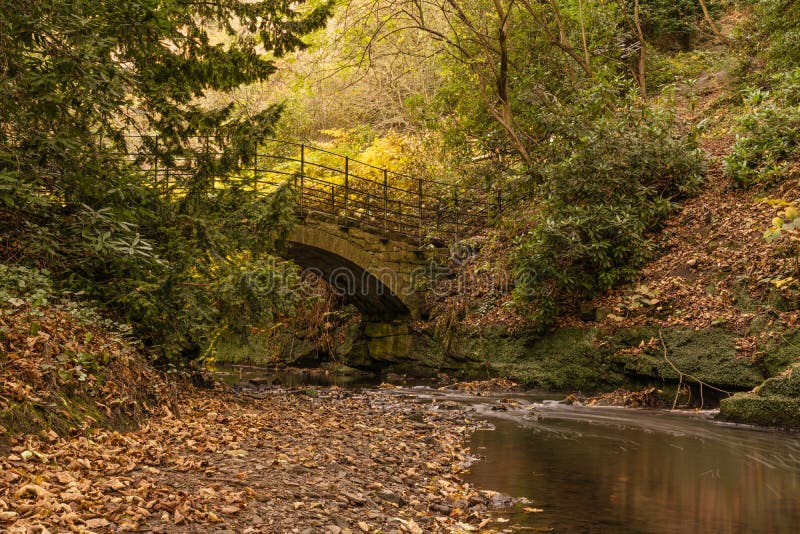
(548, 100)
(77, 79)
(523, 59)
(81, 73)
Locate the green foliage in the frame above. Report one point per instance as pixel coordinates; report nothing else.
(213, 271)
(773, 31)
(24, 287)
(78, 78)
(566, 137)
(671, 24)
(786, 222)
(767, 148)
(20, 286)
(605, 188)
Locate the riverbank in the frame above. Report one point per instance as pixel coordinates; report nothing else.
(296, 460)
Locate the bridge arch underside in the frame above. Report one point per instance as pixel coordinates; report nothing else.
(359, 287)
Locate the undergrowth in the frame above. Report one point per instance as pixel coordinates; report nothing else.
(612, 185)
(64, 368)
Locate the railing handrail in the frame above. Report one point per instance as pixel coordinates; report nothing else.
(318, 149)
(412, 211)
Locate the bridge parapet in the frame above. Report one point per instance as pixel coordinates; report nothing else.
(379, 237)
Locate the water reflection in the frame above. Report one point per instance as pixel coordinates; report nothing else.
(612, 470)
(244, 374)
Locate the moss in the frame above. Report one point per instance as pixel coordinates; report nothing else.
(388, 341)
(786, 385)
(585, 358)
(778, 355)
(780, 301)
(753, 409)
(565, 359)
(351, 335)
(390, 348)
(776, 402)
(742, 299)
(73, 413)
(358, 356)
(378, 330)
(709, 355)
(264, 349)
(760, 323)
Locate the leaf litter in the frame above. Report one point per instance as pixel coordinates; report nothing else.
(338, 462)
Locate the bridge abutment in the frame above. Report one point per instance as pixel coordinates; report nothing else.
(381, 343)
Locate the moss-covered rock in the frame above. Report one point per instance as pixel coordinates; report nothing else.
(784, 385)
(776, 402)
(754, 409)
(709, 355)
(265, 349)
(585, 359)
(379, 344)
(565, 359)
(780, 353)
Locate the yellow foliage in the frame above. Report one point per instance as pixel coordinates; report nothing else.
(392, 151)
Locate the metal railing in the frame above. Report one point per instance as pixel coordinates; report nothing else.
(352, 192)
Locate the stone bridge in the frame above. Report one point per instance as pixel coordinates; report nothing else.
(364, 229)
(383, 275)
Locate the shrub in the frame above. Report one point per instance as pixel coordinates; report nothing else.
(773, 31)
(767, 147)
(671, 24)
(603, 195)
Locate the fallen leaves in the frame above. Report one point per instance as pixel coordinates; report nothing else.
(57, 371)
(340, 462)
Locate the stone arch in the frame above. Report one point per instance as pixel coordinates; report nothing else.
(374, 274)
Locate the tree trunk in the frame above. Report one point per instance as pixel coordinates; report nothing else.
(713, 26)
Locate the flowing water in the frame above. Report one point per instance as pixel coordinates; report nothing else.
(594, 469)
(622, 470)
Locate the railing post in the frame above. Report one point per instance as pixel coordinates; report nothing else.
(346, 188)
(302, 173)
(419, 206)
(333, 200)
(155, 162)
(386, 202)
(255, 172)
(438, 216)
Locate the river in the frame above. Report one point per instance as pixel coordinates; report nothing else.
(602, 469)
